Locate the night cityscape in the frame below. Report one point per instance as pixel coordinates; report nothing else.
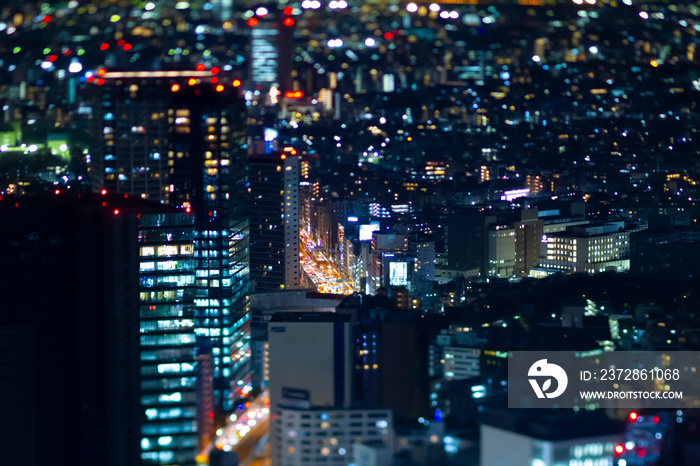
(315, 232)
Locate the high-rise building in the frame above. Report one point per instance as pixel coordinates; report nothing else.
(113, 333)
(274, 221)
(167, 326)
(69, 341)
(311, 378)
(177, 137)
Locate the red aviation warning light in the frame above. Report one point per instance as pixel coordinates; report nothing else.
(294, 94)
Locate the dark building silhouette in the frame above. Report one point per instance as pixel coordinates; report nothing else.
(274, 221)
(69, 321)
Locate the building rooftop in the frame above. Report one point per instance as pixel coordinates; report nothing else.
(309, 317)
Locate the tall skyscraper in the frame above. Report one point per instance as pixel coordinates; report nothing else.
(68, 333)
(274, 221)
(177, 137)
(167, 325)
(112, 335)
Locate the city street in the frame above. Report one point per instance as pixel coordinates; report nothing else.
(324, 274)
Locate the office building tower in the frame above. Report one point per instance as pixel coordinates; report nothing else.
(274, 221)
(310, 366)
(167, 342)
(68, 333)
(311, 376)
(271, 41)
(113, 331)
(206, 138)
(177, 138)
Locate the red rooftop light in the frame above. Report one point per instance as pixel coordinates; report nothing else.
(252, 22)
(215, 70)
(288, 11)
(104, 46)
(288, 22)
(127, 47)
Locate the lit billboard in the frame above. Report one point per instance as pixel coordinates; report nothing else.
(398, 273)
(367, 230)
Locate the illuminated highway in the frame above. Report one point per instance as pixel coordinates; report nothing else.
(242, 432)
(322, 272)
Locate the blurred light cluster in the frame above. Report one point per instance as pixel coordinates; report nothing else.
(311, 4)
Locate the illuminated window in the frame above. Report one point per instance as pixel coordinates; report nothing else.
(167, 250)
(147, 251)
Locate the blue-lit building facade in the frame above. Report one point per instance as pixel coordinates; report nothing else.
(206, 145)
(177, 139)
(167, 338)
